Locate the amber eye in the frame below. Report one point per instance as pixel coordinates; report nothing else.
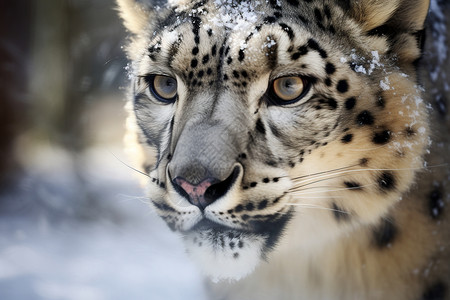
(286, 90)
(164, 88)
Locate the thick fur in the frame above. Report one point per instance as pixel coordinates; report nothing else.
(341, 195)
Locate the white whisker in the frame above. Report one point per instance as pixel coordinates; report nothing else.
(326, 189)
(312, 206)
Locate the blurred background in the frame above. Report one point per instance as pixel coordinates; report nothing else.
(74, 223)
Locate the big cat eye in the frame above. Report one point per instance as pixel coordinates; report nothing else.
(163, 88)
(289, 89)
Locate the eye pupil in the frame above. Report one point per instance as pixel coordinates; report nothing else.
(164, 88)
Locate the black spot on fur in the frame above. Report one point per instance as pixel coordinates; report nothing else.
(342, 86)
(386, 181)
(270, 19)
(381, 102)
(327, 11)
(195, 51)
(318, 16)
(332, 29)
(288, 30)
(344, 4)
(194, 63)
(328, 81)
(437, 291)
(436, 204)
(214, 50)
(274, 4)
(385, 234)
(410, 131)
(339, 213)
(363, 162)
(332, 103)
(365, 118)
(315, 46)
(249, 207)
(293, 2)
(241, 55)
(239, 208)
(205, 59)
(196, 21)
(260, 127)
(163, 206)
(262, 204)
(347, 138)
(350, 103)
(303, 19)
(231, 244)
(330, 68)
(382, 137)
(352, 185)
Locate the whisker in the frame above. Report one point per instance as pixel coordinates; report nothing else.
(125, 197)
(322, 172)
(372, 169)
(326, 191)
(316, 181)
(127, 165)
(352, 171)
(316, 197)
(302, 205)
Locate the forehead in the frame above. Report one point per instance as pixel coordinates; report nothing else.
(243, 32)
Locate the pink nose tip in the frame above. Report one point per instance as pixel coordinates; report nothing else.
(196, 192)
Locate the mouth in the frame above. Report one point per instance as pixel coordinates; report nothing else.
(224, 252)
(208, 225)
(268, 230)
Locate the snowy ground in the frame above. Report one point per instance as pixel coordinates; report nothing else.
(82, 231)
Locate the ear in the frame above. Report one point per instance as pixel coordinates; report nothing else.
(399, 15)
(135, 15)
(400, 22)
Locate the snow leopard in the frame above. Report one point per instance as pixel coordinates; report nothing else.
(299, 148)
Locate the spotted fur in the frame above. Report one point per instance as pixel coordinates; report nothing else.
(340, 194)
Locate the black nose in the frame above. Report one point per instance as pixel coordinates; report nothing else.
(206, 191)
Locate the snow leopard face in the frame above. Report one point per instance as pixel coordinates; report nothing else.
(258, 118)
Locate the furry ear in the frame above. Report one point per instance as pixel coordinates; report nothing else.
(400, 15)
(135, 15)
(400, 21)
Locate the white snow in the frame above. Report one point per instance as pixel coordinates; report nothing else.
(384, 84)
(64, 240)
